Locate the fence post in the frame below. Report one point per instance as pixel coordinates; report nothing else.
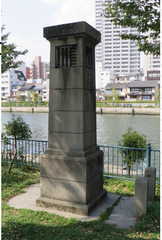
(148, 154)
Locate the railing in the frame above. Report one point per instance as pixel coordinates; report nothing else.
(119, 162)
(28, 152)
(122, 162)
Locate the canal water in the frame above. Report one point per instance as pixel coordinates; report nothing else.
(110, 127)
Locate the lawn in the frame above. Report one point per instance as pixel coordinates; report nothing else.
(27, 224)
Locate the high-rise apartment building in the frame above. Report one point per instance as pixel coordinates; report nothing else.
(37, 69)
(121, 56)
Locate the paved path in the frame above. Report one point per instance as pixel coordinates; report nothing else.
(122, 215)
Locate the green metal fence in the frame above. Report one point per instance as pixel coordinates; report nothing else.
(130, 163)
(119, 162)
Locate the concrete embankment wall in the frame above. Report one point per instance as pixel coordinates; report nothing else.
(135, 111)
(25, 109)
(132, 111)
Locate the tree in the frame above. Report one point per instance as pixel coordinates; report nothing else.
(35, 98)
(143, 15)
(9, 53)
(115, 95)
(29, 97)
(18, 97)
(133, 139)
(157, 98)
(17, 129)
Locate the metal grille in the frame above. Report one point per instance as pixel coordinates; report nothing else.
(66, 56)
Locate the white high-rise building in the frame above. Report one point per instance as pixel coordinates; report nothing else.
(116, 54)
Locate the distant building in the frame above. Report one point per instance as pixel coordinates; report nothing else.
(37, 69)
(103, 77)
(142, 90)
(121, 89)
(121, 56)
(28, 89)
(27, 73)
(22, 68)
(11, 80)
(153, 75)
(129, 77)
(135, 90)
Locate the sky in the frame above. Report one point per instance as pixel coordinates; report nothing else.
(25, 20)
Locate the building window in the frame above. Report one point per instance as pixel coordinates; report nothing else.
(147, 89)
(135, 89)
(146, 97)
(66, 56)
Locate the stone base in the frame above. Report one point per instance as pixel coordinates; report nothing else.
(71, 183)
(72, 207)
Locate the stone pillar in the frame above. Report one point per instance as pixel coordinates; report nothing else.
(72, 166)
(150, 174)
(141, 196)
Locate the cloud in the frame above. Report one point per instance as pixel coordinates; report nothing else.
(53, 2)
(73, 11)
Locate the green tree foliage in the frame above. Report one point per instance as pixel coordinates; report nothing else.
(29, 97)
(157, 97)
(17, 129)
(115, 95)
(133, 139)
(35, 98)
(143, 15)
(9, 53)
(18, 97)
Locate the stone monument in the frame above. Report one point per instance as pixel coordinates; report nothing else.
(72, 166)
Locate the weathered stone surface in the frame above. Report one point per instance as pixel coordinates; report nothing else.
(150, 174)
(72, 167)
(71, 141)
(72, 121)
(72, 29)
(141, 196)
(66, 206)
(64, 167)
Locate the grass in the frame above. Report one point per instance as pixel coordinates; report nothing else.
(120, 102)
(27, 224)
(23, 104)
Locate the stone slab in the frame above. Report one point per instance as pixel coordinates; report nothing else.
(27, 200)
(72, 121)
(71, 168)
(150, 174)
(71, 141)
(65, 190)
(141, 196)
(67, 206)
(123, 214)
(66, 100)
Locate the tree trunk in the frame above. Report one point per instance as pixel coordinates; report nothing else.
(14, 157)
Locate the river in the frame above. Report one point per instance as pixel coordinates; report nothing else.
(110, 127)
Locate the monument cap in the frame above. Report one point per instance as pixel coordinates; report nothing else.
(69, 29)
